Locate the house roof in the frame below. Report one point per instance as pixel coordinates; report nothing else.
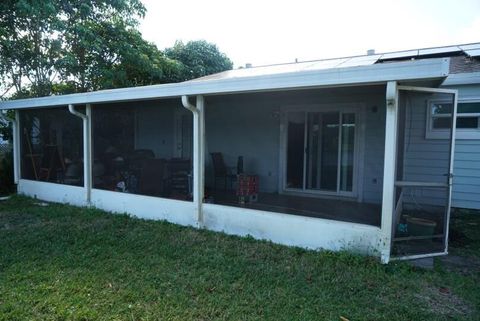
(409, 65)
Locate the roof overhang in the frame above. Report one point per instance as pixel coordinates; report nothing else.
(468, 78)
(416, 70)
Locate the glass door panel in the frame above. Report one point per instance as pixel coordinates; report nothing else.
(320, 151)
(347, 152)
(313, 150)
(329, 151)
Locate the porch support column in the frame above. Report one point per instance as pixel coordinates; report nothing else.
(87, 156)
(16, 147)
(198, 153)
(87, 145)
(389, 170)
(16, 144)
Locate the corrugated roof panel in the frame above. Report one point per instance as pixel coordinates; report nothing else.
(400, 54)
(473, 52)
(439, 50)
(470, 46)
(276, 69)
(360, 61)
(326, 64)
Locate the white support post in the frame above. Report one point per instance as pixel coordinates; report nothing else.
(201, 156)
(15, 142)
(198, 153)
(16, 146)
(389, 170)
(87, 152)
(87, 167)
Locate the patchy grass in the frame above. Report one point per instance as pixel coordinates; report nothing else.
(66, 263)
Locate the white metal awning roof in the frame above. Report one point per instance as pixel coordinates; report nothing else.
(315, 75)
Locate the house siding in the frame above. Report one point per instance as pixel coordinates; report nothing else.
(466, 179)
(427, 159)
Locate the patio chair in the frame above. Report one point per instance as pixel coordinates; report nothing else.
(220, 170)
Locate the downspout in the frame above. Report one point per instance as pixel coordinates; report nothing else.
(87, 168)
(198, 154)
(16, 144)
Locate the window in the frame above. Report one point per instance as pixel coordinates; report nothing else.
(440, 115)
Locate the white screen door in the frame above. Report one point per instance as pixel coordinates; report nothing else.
(424, 171)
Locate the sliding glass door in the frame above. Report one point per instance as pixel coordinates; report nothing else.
(320, 151)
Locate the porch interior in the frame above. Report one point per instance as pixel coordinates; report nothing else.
(333, 209)
(314, 153)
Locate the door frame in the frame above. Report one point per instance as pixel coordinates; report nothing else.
(449, 182)
(357, 186)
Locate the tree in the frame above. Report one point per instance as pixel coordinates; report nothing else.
(199, 58)
(65, 46)
(67, 41)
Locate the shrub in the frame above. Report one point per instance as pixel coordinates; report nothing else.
(7, 185)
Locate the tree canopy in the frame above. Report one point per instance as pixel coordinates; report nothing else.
(65, 46)
(198, 58)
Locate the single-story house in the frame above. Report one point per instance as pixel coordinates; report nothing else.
(364, 153)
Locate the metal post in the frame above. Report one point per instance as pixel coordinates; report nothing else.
(88, 164)
(389, 170)
(16, 146)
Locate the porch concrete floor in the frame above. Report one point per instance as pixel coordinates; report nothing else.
(340, 210)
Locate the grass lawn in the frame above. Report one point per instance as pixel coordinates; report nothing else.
(65, 263)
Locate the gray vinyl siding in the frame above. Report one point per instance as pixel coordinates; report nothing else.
(426, 160)
(466, 180)
(374, 150)
(154, 127)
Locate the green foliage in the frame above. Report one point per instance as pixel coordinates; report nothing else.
(6, 174)
(199, 58)
(48, 41)
(59, 262)
(65, 46)
(6, 127)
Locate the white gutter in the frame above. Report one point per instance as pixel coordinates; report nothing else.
(87, 155)
(16, 144)
(198, 153)
(424, 69)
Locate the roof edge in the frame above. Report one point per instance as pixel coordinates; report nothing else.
(406, 70)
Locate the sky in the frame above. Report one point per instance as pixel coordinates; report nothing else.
(264, 32)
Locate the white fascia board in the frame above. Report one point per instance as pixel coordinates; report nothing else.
(378, 73)
(469, 78)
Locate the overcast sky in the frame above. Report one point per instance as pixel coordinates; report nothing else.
(265, 32)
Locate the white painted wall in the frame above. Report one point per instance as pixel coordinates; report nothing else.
(147, 207)
(52, 192)
(293, 230)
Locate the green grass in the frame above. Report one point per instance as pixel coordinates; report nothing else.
(66, 263)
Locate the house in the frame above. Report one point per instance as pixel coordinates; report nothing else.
(357, 153)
